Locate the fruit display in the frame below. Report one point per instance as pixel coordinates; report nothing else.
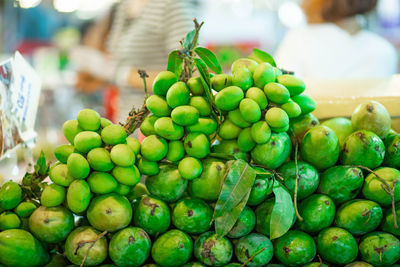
(234, 170)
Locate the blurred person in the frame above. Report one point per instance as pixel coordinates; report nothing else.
(141, 35)
(334, 45)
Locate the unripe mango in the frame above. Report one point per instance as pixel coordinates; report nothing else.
(229, 98)
(53, 195)
(60, 175)
(228, 130)
(294, 84)
(244, 63)
(86, 141)
(62, 152)
(78, 166)
(206, 126)
(306, 103)
(277, 93)
(245, 140)
(221, 81)
(190, 168)
(175, 151)
(292, 109)
(178, 95)
(70, 129)
(147, 167)
(260, 132)
(163, 81)
(250, 110)
(122, 155)
(158, 106)
(277, 118)
(100, 160)
(166, 128)
(201, 104)
(147, 126)
(195, 86)
(126, 175)
(197, 145)
(257, 95)
(89, 120)
(263, 74)
(185, 115)
(101, 183)
(113, 134)
(235, 116)
(154, 148)
(242, 78)
(78, 196)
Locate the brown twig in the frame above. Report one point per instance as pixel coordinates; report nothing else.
(143, 74)
(385, 186)
(252, 257)
(296, 182)
(82, 243)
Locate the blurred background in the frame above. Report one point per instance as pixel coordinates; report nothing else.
(80, 47)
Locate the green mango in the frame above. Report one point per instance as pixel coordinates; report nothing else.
(130, 247)
(9, 220)
(235, 116)
(101, 183)
(60, 175)
(100, 160)
(76, 250)
(167, 129)
(388, 222)
(300, 125)
(336, 245)
(195, 85)
(89, 120)
(104, 122)
(229, 98)
(122, 155)
(392, 154)
(245, 140)
(148, 167)
(207, 186)
(359, 216)
(295, 248)
(277, 118)
(228, 130)
(260, 132)
(306, 103)
(190, 168)
(51, 224)
(163, 81)
(158, 106)
(86, 141)
(294, 84)
(250, 110)
(257, 95)
(213, 250)
(192, 215)
(372, 188)
(380, 249)
(273, 153)
(134, 144)
(205, 126)
(113, 135)
(263, 216)
(129, 176)
(292, 109)
(277, 93)
(201, 104)
(78, 166)
(52, 195)
(109, 212)
(152, 214)
(185, 115)
(317, 211)
(147, 126)
(78, 196)
(242, 78)
(260, 190)
(264, 73)
(176, 151)
(168, 184)
(174, 248)
(197, 145)
(122, 190)
(10, 195)
(372, 116)
(18, 248)
(341, 183)
(62, 152)
(342, 128)
(154, 148)
(308, 178)
(25, 209)
(244, 225)
(221, 81)
(251, 245)
(70, 129)
(320, 147)
(244, 63)
(229, 147)
(178, 95)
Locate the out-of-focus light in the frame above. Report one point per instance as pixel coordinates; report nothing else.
(65, 6)
(389, 12)
(291, 15)
(242, 8)
(89, 9)
(29, 3)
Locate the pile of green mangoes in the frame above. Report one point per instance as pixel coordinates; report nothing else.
(95, 211)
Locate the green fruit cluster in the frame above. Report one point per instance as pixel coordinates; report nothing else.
(96, 211)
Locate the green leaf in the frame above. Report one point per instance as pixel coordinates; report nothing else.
(234, 194)
(261, 56)
(41, 167)
(225, 223)
(189, 40)
(175, 62)
(209, 58)
(282, 216)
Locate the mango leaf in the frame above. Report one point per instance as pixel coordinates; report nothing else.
(238, 181)
(175, 62)
(41, 167)
(189, 40)
(209, 58)
(226, 222)
(206, 82)
(261, 56)
(282, 213)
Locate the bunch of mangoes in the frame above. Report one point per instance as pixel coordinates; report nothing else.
(94, 211)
